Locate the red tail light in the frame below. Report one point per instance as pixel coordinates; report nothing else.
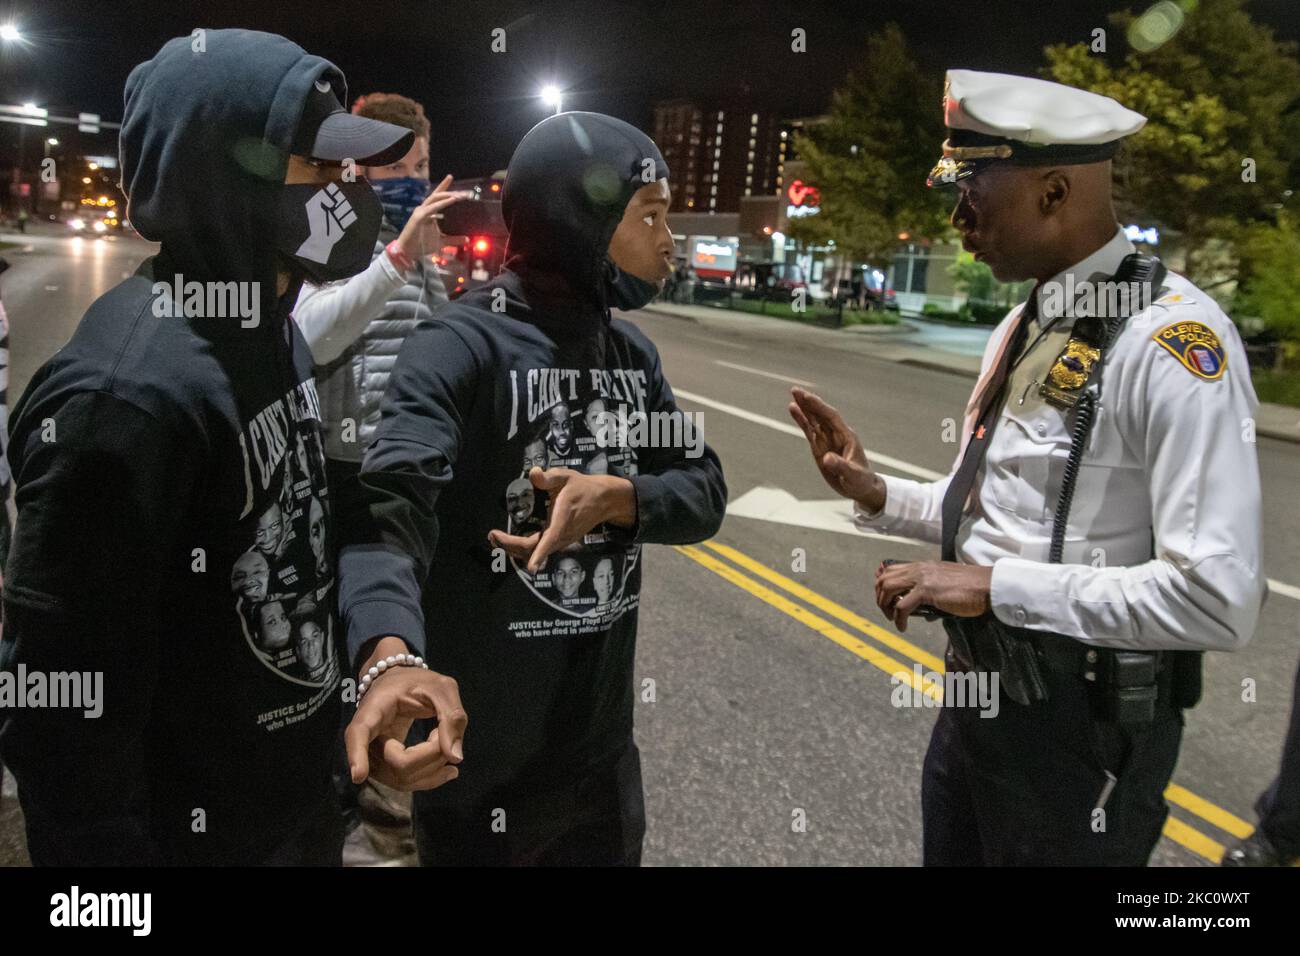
(482, 245)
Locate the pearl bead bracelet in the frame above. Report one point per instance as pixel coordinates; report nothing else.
(388, 663)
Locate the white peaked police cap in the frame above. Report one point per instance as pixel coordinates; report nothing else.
(1024, 121)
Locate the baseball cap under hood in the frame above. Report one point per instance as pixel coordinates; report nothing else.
(207, 131)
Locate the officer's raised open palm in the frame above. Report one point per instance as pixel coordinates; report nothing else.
(836, 450)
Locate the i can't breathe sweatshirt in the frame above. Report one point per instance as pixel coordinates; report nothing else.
(544, 661)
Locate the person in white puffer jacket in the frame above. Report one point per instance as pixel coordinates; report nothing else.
(356, 327)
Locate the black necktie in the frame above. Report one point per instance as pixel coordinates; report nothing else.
(959, 489)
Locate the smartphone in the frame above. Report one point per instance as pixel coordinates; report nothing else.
(473, 217)
(926, 612)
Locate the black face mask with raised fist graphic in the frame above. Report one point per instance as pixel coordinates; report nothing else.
(328, 231)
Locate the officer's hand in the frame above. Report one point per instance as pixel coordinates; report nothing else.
(376, 737)
(579, 502)
(960, 589)
(836, 450)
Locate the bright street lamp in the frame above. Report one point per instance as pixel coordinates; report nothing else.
(10, 33)
(552, 96)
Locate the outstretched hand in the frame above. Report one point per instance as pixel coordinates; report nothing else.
(579, 502)
(838, 453)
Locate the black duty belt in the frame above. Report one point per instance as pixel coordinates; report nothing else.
(1124, 686)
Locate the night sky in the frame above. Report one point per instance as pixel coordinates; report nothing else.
(612, 57)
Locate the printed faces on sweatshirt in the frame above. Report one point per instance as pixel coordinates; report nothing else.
(282, 581)
(572, 418)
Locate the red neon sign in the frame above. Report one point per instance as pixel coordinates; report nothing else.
(801, 193)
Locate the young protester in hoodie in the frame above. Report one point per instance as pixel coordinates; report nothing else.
(354, 328)
(432, 566)
(163, 541)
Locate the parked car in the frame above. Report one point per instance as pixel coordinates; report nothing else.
(866, 289)
(769, 280)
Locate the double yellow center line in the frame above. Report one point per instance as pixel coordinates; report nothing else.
(1181, 832)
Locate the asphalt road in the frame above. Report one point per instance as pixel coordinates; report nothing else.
(771, 737)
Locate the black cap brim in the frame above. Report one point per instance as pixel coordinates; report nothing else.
(365, 141)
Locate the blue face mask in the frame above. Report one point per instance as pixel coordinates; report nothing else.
(400, 196)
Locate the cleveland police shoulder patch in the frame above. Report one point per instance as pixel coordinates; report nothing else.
(1196, 346)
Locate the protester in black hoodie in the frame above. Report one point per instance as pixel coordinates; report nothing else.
(453, 560)
(171, 495)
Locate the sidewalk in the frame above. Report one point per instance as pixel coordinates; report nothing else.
(903, 343)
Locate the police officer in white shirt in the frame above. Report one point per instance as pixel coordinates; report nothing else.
(1101, 525)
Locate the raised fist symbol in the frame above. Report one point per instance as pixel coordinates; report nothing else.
(329, 214)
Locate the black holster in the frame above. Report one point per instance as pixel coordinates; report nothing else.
(985, 644)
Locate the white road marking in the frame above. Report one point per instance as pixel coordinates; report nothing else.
(730, 345)
(777, 505)
(1286, 590)
(789, 428)
(759, 371)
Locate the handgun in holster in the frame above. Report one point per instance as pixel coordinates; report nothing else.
(985, 644)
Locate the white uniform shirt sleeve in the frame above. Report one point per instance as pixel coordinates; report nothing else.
(913, 509)
(334, 315)
(1204, 588)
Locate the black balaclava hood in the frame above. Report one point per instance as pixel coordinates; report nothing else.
(567, 185)
(205, 144)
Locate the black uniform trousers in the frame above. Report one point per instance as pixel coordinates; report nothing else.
(1279, 806)
(1023, 788)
